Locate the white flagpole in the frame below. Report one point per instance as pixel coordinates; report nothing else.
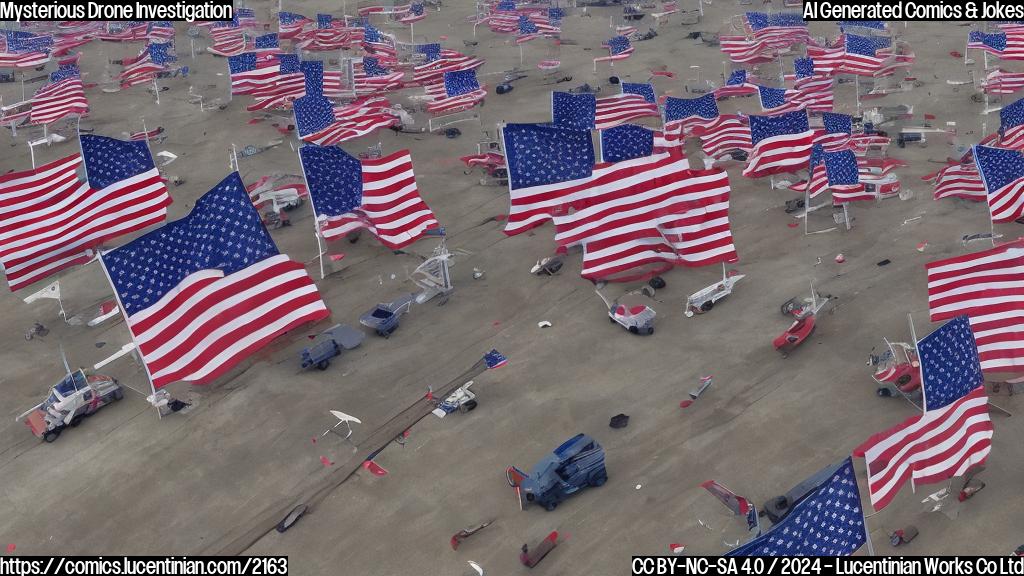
(863, 518)
(156, 91)
(316, 219)
(920, 365)
(234, 159)
(146, 134)
(124, 313)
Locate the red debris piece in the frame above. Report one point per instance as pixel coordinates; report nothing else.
(374, 468)
(685, 403)
(325, 461)
(793, 224)
(10, 548)
(956, 54)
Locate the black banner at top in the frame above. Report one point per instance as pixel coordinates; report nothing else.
(920, 10)
(176, 10)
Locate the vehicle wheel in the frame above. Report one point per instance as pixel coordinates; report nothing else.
(550, 506)
(323, 364)
(902, 380)
(470, 406)
(634, 330)
(650, 330)
(598, 478)
(118, 394)
(612, 320)
(883, 392)
(707, 306)
(76, 421)
(51, 435)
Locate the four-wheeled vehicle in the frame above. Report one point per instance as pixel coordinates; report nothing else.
(75, 397)
(637, 319)
(332, 342)
(897, 369)
(705, 299)
(805, 311)
(573, 466)
(384, 317)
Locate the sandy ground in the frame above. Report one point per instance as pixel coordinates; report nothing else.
(126, 482)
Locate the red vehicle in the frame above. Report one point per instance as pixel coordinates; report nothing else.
(897, 370)
(804, 311)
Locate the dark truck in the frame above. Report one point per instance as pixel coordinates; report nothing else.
(576, 464)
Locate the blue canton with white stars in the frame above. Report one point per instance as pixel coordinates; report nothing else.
(866, 45)
(645, 90)
(998, 166)
(460, 82)
(1011, 115)
(19, 42)
(817, 156)
(324, 21)
(555, 16)
(335, 179)
(291, 17)
(626, 142)
(841, 167)
(162, 54)
(371, 34)
(772, 97)
(242, 63)
(416, 9)
(949, 360)
(804, 67)
(432, 51)
(875, 24)
(223, 232)
(828, 522)
(680, 108)
(618, 45)
(573, 111)
(526, 27)
(65, 72)
(995, 41)
(109, 160)
(372, 67)
(313, 113)
(495, 359)
(289, 63)
(762, 127)
(267, 41)
(837, 123)
(546, 155)
(314, 73)
(737, 78)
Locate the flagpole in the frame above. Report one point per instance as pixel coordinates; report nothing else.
(920, 365)
(863, 518)
(145, 133)
(124, 314)
(234, 158)
(316, 219)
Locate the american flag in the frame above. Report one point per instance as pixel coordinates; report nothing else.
(371, 77)
(64, 43)
(949, 361)
(779, 29)
(629, 141)
(287, 85)
(322, 123)
(329, 34)
(228, 39)
(872, 56)
(414, 14)
(1005, 45)
(378, 194)
(683, 115)
(267, 45)
(527, 30)
(738, 84)
(503, 17)
(986, 286)
(24, 49)
(817, 177)
(378, 43)
(62, 97)
(1002, 172)
(1000, 81)
(460, 91)
(844, 178)
(246, 17)
(494, 359)
(827, 58)
(1011, 125)
(290, 24)
(645, 215)
(573, 111)
(636, 101)
(143, 69)
(775, 101)
(780, 144)
(743, 50)
(147, 135)
(130, 31)
(932, 447)
(829, 521)
(871, 24)
(958, 181)
(249, 72)
(50, 220)
(203, 293)
(433, 70)
(731, 132)
(619, 48)
(546, 165)
(161, 30)
(816, 91)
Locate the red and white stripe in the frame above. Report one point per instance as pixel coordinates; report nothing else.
(650, 211)
(23, 59)
(827, 59)
(444, 104)
(1002, 82)
(816, 183)
(56, 101)
(266, 73)
(391, 208)
(354, 120)
(779, 154)
(285, 89)
(958, 181)
(615, 57)
(138, 136)
(64, 44)
(731, 132)
(15, 114)
(323, 39)
(450, 61)
(210, 322)
(138, 70)
(365, 85)
(133, 33)
(988, 286)
(930, 448)
(49, 220)
(846, 193)
(228, 42)
(742, 50)
(620, 108)
(816, 93)
(790, 103)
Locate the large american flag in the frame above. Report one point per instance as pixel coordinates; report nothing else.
(731, 132)
(871, 56)
(932, 447)
(1002, 172)
(321, 122)
(203, 293)
(844, 178)
(743, 50)
(816, 91)
(829, 521)
(377, 194)
(643, 216)
(250, 71)
(778, 29)
(619, 48)
(432, 71)
(154, 58)
(957, 181)
(1005, 45)
(50, 220)
(780, 144)
(24, 49)
(287, 85)
(738, 84)
(949, 361)
(988, 287)
(1000, 81)
(1011, 125)
(636, 101)
(63, 96)
(459, 91)
(329, 34)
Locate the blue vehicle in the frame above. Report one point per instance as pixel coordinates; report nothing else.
(576, 464)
